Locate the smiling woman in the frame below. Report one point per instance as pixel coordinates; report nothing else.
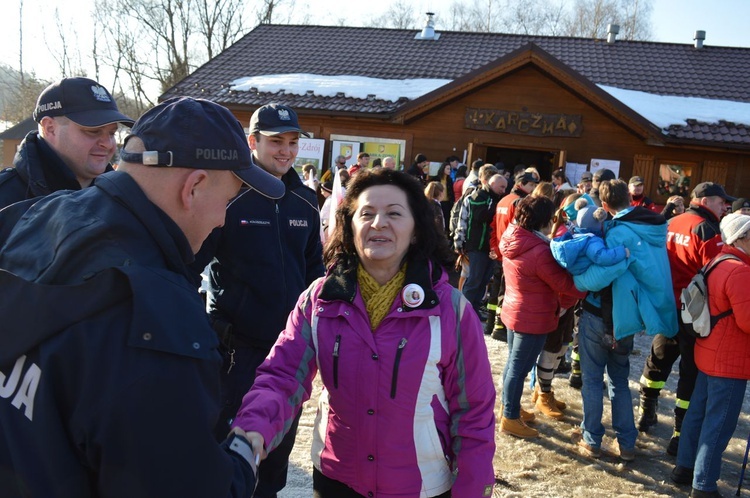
(390, 337)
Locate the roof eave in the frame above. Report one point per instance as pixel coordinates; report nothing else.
(530, 55)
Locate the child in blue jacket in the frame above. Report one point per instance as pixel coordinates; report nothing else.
(583, 244)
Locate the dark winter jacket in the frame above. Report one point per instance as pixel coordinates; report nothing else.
(265, 255)
(110, 365)
(37, 171)
(480, 206)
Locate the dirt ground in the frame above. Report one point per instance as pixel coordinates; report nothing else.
(550, 466)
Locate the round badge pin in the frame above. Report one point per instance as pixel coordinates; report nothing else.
(413, 295)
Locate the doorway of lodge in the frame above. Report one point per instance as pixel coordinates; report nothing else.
(544, 160)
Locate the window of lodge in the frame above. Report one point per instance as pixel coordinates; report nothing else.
(675, 178)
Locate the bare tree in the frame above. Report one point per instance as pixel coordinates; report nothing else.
(220, 23)
(18, 94)
(400, 14)
(534, 17)
(63, 47)
(590, 18)
(268, 12)
(150, 45)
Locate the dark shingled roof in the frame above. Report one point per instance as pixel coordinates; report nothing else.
(659, 68)
(722, 131)
(20, 130)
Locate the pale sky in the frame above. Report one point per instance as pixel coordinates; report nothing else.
(725, 23)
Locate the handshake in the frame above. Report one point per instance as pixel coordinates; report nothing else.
(249, 446)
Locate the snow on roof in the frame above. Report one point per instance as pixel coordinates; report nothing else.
(666, 110)
(662, 110)
(358, 87)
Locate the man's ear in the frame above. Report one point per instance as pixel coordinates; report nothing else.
(192, 186)
(252, 142)
(49, 126)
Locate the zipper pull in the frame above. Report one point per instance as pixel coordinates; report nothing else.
(231, 360)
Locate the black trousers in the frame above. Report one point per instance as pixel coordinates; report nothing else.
(324, 487)
(664, 352)
(563, 334)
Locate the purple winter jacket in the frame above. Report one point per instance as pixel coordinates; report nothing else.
(406, 410)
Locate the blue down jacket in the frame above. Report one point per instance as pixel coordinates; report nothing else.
(577, 251)
(641, 285)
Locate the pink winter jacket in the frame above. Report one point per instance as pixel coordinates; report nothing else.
(726, 351)
(406, 410)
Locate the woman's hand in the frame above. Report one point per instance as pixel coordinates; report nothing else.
(256, 440)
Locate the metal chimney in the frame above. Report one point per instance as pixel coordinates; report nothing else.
(612, 30)
(698, 38)
(428, 32)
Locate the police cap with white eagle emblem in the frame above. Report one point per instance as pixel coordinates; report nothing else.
(274, 119)
(183, 132)
(82, 100)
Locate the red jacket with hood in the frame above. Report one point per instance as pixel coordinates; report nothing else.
(536, 287)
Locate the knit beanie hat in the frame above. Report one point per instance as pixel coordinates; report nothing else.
(734, 226)
(590, 217)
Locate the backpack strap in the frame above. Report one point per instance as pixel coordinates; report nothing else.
(708, 269)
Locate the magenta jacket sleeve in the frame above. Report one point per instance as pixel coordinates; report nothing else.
(470, 392)
(284, 380)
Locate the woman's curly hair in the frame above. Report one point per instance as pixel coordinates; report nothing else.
(429, 244)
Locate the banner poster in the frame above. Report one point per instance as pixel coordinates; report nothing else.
(611, 164)
(310, 151)
(573, 172)
(381, 150)
(347, 149)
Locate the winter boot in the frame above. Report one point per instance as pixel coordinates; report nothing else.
(674, 442)
(545, 403)
(517, 427)
(499, 332)
(575, 379)
(491, 318)
(647, 413)
(564, 367)
(527, 416)
(561, 405)
(697, 493)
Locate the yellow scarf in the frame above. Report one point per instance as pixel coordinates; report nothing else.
(378, 299)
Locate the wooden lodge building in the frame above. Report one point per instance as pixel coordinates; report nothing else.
(676, 114)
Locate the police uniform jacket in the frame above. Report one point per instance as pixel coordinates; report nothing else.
(108, 366)
(37, 171)
(265, 255)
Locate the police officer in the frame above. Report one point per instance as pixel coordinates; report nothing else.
(108, 364)
(75, 141)
(267, 253)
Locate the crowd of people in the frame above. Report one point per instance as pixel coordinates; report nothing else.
(117, 379)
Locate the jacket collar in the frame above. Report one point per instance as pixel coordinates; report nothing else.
(341, 282)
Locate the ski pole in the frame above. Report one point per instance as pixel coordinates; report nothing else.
(744, 465)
